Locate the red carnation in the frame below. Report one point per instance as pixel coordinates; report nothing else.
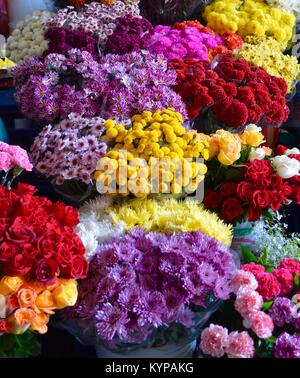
(285, 279)
(236, 115)
(212, 199)
(231, 209)
(268, 286)
(290, 264)
(253, 268)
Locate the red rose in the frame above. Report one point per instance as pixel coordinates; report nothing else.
(290, 264)
(64, 255)
(19, 232)
(231, 209)
(276, 182)
(287, 190)
(280, 149)
(261, 199)
(268, 286)
(245, 190)
(254, 214)
(228, 188)
(77, 269)
(18, 266)
(5, 326)
(3, 227)
(46, 270)
(255, 269)
(262, 183)
(285, 279)
(8, 251)
(277, 199)
(295, 195)
(46, 246)
(212, 199)
(78, 247)
(258, 169)
(66, 215)
(28, 250)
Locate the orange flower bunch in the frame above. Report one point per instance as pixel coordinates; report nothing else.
(28, 304)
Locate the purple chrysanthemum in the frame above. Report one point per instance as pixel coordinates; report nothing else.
(110, 321)
(287, 346)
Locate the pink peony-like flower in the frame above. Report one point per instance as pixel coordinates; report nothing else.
(247, 301)
(253, 268)
(285, 279)
(290, 264)
(240, 345)
(214, 340)
(244, 279)
(261, 324)
(268, 286)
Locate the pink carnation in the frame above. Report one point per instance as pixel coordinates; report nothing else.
(261, 324)
(253, 268)
(290, 264)
(214, 340)
(243, 279)
(240, 345)
(247, 301)
(268, 286)
(13, 156)
(285, 279)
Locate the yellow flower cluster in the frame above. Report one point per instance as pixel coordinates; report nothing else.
(227, 146)
(155, 155)
(267, 53)
(250, 17)
(170, 215)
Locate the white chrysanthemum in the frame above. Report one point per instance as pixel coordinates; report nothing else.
(289, 5)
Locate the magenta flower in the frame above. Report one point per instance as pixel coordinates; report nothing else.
(13, 156)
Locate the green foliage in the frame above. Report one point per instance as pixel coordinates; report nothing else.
(265, 348)
(19, 346)
(247, 255)
(267, 305)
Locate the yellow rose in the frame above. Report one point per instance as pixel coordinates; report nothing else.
(65, 294)
(227, 146)
(252, 136)
(39, 323)
(45, 302)
(9, 284)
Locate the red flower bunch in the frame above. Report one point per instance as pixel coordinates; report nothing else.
(278, 282)
(37, 238)
(258, 189)
(236, 92)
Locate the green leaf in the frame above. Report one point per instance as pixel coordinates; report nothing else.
(272, 340)
(264, 257)
(267, 305)
(247, 255)
(296, 280)
(7, 342)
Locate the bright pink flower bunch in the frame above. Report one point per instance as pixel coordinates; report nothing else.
(13, 156)
(189, 42)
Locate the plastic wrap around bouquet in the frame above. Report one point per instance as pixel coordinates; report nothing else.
(167, 12)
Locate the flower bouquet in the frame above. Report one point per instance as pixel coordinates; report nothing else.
(230, 93)
(148, 289)
(253, 184)
(268, 304)
(41, 258)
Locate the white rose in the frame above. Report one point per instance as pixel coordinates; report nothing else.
(252, 127)
(292, 151)
(257, 153)
(285, 166)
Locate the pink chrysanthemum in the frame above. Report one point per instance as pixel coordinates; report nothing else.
(214, 340)
(243, 279)
(247, 301)
(240, 345)
(261, 324)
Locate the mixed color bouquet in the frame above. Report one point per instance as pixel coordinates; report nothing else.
(255, 183)
(230, 93)
(143, 281)
(115, 87)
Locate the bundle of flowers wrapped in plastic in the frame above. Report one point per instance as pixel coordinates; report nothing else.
(27, 40)
(267, 53)
(41, 257)
(156, 154)
(247, 17)
(268, 304)
(115, 87)
(143, 286)
(229, 93)
(254, 183)
(101, 220)
(98, 18)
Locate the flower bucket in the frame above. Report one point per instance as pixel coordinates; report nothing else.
(242, 235)
(271, 135)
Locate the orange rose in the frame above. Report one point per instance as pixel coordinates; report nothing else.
(10, 284)
(26, 297)
(24, 316)
(39, 323)
(38, 287)
(46, 302)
